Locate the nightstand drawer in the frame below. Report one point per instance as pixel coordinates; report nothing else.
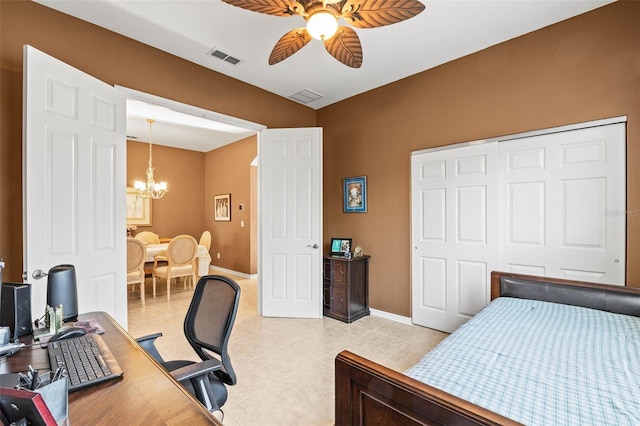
(338, 273)
(338, 300)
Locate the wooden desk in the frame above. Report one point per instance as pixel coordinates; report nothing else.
(146, 394)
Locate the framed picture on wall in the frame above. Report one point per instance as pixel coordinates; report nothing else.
(138, 208)
(355, 194)
(222, 207)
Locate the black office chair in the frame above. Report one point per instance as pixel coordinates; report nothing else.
(207, 327)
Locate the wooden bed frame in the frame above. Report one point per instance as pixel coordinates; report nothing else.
(368, 393)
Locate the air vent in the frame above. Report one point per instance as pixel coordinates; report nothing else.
(305, 96)
(223, 56)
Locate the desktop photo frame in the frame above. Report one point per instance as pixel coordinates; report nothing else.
(340, 246)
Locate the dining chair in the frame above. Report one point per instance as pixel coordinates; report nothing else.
(148, 237)
(205, 239)
(136, 254)
(181, 259)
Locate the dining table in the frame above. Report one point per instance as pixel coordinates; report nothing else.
(203, 256)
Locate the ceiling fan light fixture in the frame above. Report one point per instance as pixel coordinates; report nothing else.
(322, 25)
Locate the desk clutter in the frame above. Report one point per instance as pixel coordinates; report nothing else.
(32, 398)
(75, 363)
(77, 355)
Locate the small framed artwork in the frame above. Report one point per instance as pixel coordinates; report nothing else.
(138, 208)
(355, 194)
(222, 207)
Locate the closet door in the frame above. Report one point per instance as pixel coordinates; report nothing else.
(563, 198)
(454, 233)
(552, 205)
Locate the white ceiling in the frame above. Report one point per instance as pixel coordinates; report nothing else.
(444, 31)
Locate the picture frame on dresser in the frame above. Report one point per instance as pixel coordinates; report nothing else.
(340, 246)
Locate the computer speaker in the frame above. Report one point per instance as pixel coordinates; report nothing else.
(62, 290)
(15, 309)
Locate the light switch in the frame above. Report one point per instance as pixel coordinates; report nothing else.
(242, 224)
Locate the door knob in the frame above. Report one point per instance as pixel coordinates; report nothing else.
(38, 274)
(315, 246)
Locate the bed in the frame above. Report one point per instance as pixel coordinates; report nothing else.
(581, 368)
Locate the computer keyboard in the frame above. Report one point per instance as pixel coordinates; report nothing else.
(86, 359)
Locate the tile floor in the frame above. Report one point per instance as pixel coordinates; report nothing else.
(285, 366)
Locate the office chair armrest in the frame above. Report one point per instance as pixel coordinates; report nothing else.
(148, 344)
(196, 369)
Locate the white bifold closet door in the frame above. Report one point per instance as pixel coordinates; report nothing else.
(549, 205)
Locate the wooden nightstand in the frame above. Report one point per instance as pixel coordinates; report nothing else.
(346, 288)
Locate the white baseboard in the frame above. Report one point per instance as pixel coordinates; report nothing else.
(390, 316)
(229, 271)
(375, 312)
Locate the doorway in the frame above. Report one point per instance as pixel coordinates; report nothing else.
(190, 133)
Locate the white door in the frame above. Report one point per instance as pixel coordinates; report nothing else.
(564, 201)
(74, 154)
(454, 233)
(551, 205)
(290, 221)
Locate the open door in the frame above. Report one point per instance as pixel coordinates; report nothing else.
(290, 222)
(74, 153)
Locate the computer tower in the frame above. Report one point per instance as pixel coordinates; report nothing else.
(15, 308)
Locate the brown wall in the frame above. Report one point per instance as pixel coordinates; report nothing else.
(116, 60)
(228, 171)
(585, 68)
(181, 210)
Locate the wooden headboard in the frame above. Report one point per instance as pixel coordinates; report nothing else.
(604, 297)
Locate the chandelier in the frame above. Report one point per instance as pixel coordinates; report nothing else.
(150, 189)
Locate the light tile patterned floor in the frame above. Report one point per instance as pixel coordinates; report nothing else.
(285, 366)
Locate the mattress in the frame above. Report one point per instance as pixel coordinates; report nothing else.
(542, 363)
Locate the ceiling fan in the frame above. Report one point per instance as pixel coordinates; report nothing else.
(322, 17)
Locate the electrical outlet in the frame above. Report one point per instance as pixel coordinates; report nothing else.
(218, 255)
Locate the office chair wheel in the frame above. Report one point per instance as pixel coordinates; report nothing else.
(218, 414)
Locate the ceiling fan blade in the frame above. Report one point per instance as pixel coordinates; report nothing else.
(269, 7)
(378, 13)
(345, 47)
(289, 44)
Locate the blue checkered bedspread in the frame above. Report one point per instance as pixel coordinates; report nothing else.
(542, 363)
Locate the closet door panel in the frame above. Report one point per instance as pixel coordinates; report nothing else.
(564, 201)
(454, 234)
